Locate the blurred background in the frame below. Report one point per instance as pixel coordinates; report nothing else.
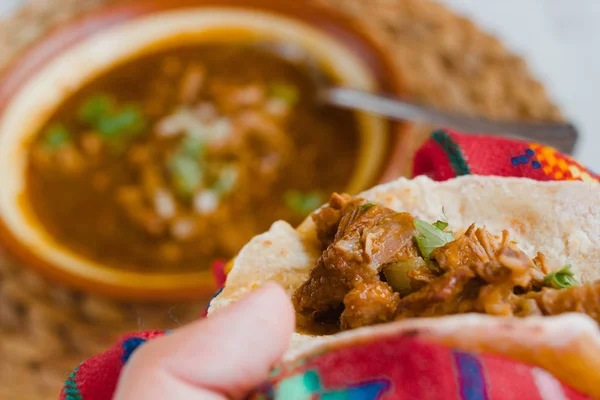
(559, 41)
(138, 153)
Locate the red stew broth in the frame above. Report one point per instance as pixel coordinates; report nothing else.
(179, 157)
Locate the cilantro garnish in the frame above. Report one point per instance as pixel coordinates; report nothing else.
(116, 125)
(302, 203)
(561, 279)
(366, 206)
(186, 173)
(56, 136)
(432, 236)
(441, 225)
(226, 181)
(125, 123)
(185, 166)
(95, 108)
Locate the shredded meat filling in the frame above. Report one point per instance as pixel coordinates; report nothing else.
(365, 244)
(584, 299)
(475, 246)
(440, 297)
(368, 237)
(327, 220)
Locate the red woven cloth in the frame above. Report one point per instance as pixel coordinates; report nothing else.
(428, 370)
(371, 370)
(449, 154)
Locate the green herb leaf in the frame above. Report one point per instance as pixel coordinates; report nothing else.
(185, 166)
(192, 146)
(115, 125)
(285, 92)
(431, 236)
(186, 174)
(126, 123)
(226, 182)
(56, 136)
(366, 206)
(95, 108)
(132, 120)
(109, 128)
(441, 225)
(561, 279)
(302, 203)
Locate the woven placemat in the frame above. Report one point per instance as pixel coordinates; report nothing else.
(446, 61)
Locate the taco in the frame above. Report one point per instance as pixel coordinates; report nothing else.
(502, 265)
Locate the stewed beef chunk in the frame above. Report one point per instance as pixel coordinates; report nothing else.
(327, 219)
(440, 297)
(368, 236)
(369, 304)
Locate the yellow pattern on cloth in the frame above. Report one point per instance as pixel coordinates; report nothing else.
(560, 166)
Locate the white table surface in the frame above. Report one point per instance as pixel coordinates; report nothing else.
(7, 6)
(561, 41)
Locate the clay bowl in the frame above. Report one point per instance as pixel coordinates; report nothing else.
(52, 69)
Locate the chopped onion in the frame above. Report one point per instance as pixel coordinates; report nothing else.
(181, 121)
(186, 173)
(169, 126)
(164, 204)
(192, 83)
(396, 274)
(206, 111)
(220, 129)
(249, 96)
(277, 107)
(183, 228)
(206, 202)
(191, 123)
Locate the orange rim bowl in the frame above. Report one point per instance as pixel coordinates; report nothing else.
(45, 74)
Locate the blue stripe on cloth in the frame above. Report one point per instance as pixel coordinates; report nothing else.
(471, 377)
(215, 295)
(129, 346)
(218, 292)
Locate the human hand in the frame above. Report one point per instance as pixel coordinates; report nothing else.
(222, 357)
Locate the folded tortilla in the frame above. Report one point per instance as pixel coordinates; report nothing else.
(559, 219)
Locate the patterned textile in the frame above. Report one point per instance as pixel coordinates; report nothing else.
(427, 371)
(371, 370)
(448, 154)
(97, 377)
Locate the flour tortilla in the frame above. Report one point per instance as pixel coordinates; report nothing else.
(559, 219)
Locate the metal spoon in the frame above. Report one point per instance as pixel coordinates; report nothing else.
(560, 136)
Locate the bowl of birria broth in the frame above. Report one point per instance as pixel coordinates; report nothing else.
(141, 144)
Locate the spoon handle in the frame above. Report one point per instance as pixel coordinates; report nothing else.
(561, 136)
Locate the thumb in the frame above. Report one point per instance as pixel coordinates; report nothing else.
(222, 357)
